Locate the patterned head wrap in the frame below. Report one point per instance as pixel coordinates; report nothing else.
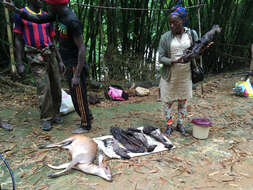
(179, 11)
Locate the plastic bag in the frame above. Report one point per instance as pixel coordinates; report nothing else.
(244, 88)
(66, 103)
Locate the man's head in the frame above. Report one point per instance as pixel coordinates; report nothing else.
(56, 2)
(36, 3)
(54, 5)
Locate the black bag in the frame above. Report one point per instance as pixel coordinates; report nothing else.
(196, 70)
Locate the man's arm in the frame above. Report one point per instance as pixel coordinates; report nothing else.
(19, 45)
(81, 59)
(58, 57)
(39, 19)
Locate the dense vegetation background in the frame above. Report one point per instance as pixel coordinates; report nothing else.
(123, 44)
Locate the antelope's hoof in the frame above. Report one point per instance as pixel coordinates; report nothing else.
(110, 180)
(42, 146)
(52, 176)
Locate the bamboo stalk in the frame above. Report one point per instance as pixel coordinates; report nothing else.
(200, 58)
(11, 47)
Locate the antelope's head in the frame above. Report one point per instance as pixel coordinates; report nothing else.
(105, 171)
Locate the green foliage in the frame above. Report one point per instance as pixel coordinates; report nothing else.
(123, 44)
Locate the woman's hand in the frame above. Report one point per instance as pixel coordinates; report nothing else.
(180, 60)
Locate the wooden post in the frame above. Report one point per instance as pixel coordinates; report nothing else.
(11, 47)
(100, 48)
(200, 58)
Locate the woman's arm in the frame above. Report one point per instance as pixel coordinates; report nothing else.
(163, 51)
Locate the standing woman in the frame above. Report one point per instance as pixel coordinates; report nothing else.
(176, 81)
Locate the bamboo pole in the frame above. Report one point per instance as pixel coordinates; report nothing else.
(200, 58)
(100, 44)
(11, 47)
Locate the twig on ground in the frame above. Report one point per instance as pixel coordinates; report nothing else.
(204, 187)
(42, 187)
(118, 173)
(37, 181)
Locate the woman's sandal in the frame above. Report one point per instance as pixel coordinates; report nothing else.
(181, 129)
(168, 131)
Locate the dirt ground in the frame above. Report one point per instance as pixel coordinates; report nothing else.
(223, 161)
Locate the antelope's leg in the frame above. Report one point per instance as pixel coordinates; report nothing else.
(91, 168)
(73, 163)
(57, 174)
(62, 166)
(59, 144)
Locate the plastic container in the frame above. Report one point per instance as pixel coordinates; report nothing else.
(201, 127)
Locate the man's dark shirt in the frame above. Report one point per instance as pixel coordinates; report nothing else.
(68, 26)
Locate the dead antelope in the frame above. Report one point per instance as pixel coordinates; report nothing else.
(83, 151)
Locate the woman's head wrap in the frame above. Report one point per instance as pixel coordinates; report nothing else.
(56, 2)
(179, 10)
